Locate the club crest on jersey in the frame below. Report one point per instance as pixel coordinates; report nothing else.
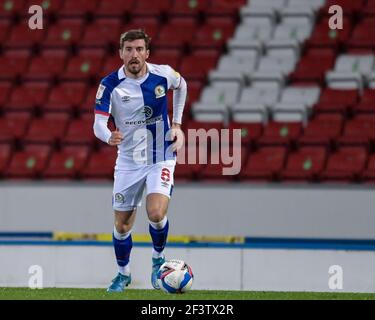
(119, 198)
(99, 93)
(159, 92)
(147, 112)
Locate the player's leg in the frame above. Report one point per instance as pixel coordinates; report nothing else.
(127, 194)
(159, 188)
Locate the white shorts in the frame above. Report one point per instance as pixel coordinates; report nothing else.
(129, 184)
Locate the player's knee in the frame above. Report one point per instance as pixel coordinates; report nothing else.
(123, 227)
(156, 214)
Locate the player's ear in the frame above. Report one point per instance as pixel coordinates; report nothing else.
(120, 52)
(147, 53)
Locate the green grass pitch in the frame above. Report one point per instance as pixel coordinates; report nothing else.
(134, 294)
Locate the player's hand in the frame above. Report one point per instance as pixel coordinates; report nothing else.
(116, 138)
(177, 136)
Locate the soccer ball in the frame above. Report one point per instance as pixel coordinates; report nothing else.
(175, 276)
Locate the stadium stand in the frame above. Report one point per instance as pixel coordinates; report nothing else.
(301, 93)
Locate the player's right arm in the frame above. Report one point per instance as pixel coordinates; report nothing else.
(102, 113)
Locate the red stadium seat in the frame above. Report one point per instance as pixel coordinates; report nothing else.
(305, 164)
(49, 129)
(190, 161)
(114, 7)
(193, 94)
(78, 7)
(179, 37)
(89, 103)
(369, 174)
(346, 164)
(151, 8)
(28, 163)
(323, 130)
(214, 33)
(66, 163)
(49, 6)
(264, 164)
(13, 126)
(280, 133)
(189, 8)
(250, 131)
(23, 37)
(101, 164)
(369, 9)
(13, 63)
(171, 57)
(5, 25)
(49, 65)
(11, 8)
(334, 100)
(196, 125)
(5, 89)
(225, 7)
(5, 154)
(87, 64)
(225, 169)
(66, 96)
(313, 66)
(196, 65)
(367, 103)
(102, 32)
(361, 37)
(80, 131)
(323, 36)
(28, 96)
(149, 24)
(359, 131)
(64, 33)
(350, 8)
(110, 64)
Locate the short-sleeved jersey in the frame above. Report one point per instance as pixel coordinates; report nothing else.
(140, 110)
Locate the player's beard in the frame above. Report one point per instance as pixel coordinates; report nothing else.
(135, 68)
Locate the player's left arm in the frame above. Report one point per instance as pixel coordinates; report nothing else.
(179, 86)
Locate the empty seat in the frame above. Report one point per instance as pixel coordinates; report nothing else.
(150, 25)
(101, 32)
(227, 169)
(49, 7)
(80, 131)
(28, 96)
(196, 65)
(78, 7)
(214, 33)
(308, 95)
(250, 131)
(346, 164)
(10, 8)
(28, 163)
(225, 8)
(268, 96)
(305, 164)
(13, 63)
(188, 7)
(22, 36)
(264, 164)
(5, 154)
(5, 25)
(114, 8)
(64, 33)
(67, 163)
(151, 8)
(280, 133)
(350, 8)
(335, 100)
(66, 96)
(5, 89)
(359, 131)
(47, 66)
(49, 129)
(13, 126)
(360, 37)
(171, 57)
(111, 64)
(100, 165)
(177, 38)
(368, 174)
(87, 64)
(88, 104)
(367, 103)
(323, 130)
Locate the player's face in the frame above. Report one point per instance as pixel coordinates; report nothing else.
(134, 55)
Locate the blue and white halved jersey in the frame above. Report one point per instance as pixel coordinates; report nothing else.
(140, 111)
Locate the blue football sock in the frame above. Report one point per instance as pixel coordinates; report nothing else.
(122, 250)
(159, 237)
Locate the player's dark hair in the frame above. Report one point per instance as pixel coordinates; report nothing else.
(135, 34)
